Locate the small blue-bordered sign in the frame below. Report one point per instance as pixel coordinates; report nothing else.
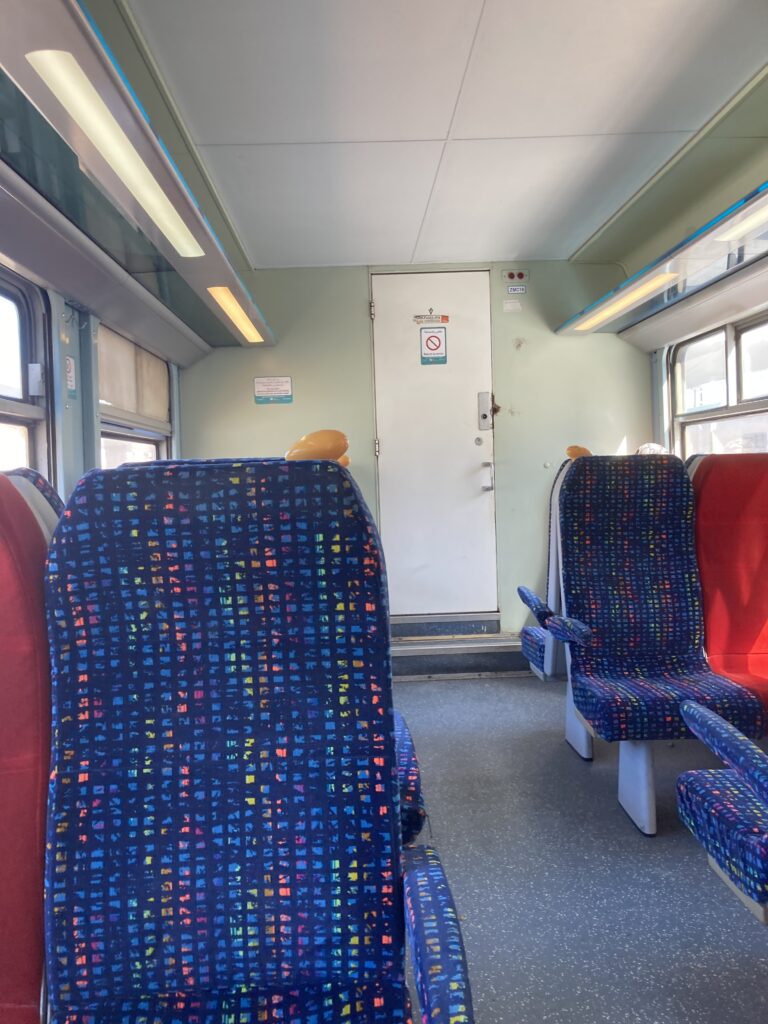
(433, 345)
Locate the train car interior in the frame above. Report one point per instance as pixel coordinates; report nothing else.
(383, 512)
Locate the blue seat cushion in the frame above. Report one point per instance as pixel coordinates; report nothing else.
(731, 823)
(639, 708)
(533, 640)
(312, 1004)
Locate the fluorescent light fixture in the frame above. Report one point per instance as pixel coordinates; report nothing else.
(744, 227)
(68, 82)
(641, 291)
(236, 313)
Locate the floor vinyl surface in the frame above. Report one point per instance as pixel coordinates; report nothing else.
(570, 915)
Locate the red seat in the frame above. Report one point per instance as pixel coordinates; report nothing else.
(24, 756)
(732, 548)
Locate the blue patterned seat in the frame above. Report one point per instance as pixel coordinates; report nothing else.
(727, 809)
(413, 811)
(630, 576)
(224, 831)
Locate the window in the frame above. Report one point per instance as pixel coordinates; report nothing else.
(720, 393)
(134, 397)
(23, 431)
(702, 374)
(14, 445)
(10, 349)
(730, 434)
(117, 450)
(754, 362)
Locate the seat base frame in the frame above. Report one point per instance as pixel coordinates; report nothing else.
(758, 910)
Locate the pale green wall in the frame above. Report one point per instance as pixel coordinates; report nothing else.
(552, 391)
(322, 322)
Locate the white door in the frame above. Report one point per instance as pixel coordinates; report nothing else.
(432, 354)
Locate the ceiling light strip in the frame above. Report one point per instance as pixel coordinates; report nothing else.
(634, 296)
(227, 301)
(70, 85)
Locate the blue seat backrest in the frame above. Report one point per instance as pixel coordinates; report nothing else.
(629, 565)
(223, 807)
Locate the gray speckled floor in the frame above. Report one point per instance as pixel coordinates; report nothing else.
(570, 915)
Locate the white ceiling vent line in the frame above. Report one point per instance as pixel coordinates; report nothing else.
(439, 167)
(57, 59)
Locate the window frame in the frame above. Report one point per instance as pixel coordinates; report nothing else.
(32, 412)
(735, 405)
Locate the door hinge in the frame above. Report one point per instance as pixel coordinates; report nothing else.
(376, 447)
(372, 309)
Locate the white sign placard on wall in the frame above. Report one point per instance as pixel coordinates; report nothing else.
(273, 390)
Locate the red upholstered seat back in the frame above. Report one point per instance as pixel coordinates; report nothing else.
(24, 756)
(732, 547)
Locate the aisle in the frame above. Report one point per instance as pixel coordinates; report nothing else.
(571, 916)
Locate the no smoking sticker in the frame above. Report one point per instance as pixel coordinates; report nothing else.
(433, 345)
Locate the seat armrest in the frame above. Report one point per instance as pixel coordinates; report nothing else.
(541, 611)
(570, 631)
(730, 745)
(434, 938)
(412, 810)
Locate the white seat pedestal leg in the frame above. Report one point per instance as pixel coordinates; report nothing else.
(637, 787)
(577, 733)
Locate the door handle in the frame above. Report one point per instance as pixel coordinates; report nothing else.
(484, 410)
(492, 485)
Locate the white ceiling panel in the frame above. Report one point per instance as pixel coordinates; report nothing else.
(557, 67)
(533, 198)
(326, 205)
(322, 122)
(251, 71)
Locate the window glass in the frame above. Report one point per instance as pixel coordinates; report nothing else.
(10, 349)
(754, 362)
(702, 374)
(14, 446)
(748, 433)
(117, 450)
